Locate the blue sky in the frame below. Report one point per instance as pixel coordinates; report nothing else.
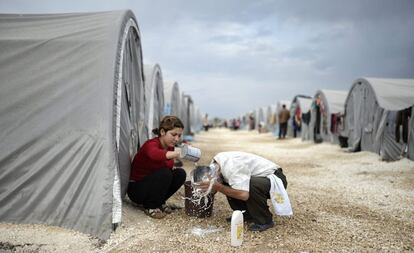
(234, 56)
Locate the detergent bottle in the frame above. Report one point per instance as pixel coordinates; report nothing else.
(237, 228)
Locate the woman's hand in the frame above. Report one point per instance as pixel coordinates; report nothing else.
(173, 154)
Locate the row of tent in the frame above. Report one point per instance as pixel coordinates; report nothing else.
(375, 114)
(76, 103)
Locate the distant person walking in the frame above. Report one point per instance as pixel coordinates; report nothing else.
(297, 124)
(237, 126)
(284, 116)
(252, 122)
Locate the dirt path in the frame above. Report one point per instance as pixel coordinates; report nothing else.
(342, 202)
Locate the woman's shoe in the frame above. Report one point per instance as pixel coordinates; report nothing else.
(166, 208)
(155, 213)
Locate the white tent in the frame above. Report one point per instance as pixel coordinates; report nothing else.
(262, 118)
(193, 118)
(245, 121)
(172, 99)
(198, 120)
(271, 118)
(154, 95)
(372, 108)
(327, 114)
(70, 106)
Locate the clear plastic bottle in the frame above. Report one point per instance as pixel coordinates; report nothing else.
(237, 228)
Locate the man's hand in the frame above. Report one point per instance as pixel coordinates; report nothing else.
(204, 185)
(230, 192)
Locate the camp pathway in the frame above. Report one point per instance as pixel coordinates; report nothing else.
(342, 201)
(348, 202)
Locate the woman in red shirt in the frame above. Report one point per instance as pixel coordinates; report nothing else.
(153, 179)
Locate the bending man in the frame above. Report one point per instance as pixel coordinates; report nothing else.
(246, 181)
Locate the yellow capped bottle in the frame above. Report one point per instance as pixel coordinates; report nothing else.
(237, 228)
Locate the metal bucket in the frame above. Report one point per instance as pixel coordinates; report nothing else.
(193, 209)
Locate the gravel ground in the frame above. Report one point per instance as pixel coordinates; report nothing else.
(342, 202)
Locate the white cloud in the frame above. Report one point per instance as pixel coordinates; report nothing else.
(243, 54)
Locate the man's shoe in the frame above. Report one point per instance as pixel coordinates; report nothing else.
(261, 227)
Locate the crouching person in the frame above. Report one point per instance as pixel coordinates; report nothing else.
(248, 181)
(153, 178)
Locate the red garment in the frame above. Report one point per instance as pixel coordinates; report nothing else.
(150, 158)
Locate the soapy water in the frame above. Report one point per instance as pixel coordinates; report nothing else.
(204, 231)
(198, 196)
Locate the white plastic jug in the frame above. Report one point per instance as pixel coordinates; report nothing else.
(237, 228)
(190, 153)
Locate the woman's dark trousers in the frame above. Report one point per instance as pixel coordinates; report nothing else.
(153, 190)
(256, 206)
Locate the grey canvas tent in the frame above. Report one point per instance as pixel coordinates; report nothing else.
(154, 97)
(258, 115)
(327, 115)
(197, 119)
(377, 115)
(172, 100)
(183, 113)
(194, 120)
(410, 153)
(300, 104)
(187, 114)
(71, 94)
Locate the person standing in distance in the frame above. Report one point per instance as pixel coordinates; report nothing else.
(284, 116)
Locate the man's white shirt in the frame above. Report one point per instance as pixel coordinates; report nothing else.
(238, 167)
